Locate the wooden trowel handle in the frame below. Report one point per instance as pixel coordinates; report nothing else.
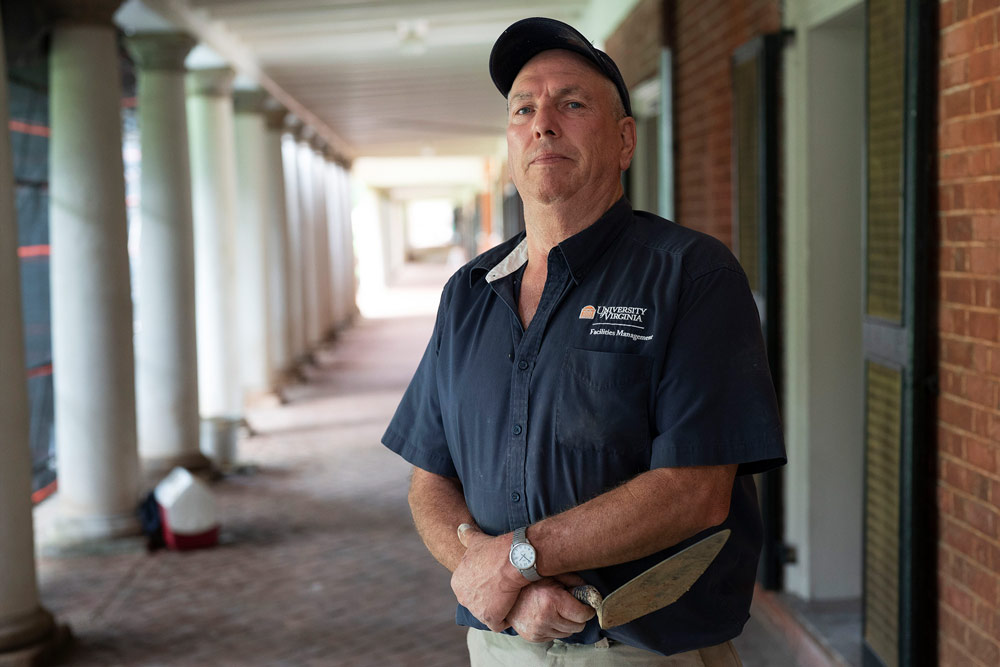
(588, 595)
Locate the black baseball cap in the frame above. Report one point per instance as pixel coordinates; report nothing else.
(525, 39)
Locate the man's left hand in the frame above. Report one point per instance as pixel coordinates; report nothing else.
(546, 610)
(485, 582)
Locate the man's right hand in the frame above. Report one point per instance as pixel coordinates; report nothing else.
(546, 610)
(485, 582)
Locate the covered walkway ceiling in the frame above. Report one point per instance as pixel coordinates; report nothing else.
(378, 77)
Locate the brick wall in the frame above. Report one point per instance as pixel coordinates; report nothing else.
(635, 46)
(705, 33)
(969, 332)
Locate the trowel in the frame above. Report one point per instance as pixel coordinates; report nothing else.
(655, 588)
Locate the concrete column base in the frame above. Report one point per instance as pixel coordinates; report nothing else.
(218, 440)
(66, 529)
(32, 641)
(264, 399)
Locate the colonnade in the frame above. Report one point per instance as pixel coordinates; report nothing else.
(245, 264)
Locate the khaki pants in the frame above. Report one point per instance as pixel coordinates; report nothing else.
(492, 649)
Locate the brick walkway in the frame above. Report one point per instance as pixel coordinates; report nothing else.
(319, 563)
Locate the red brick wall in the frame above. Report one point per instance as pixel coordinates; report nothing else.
(969, 331)
(635, 46)
(705, 33)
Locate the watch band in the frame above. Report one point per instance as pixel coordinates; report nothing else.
(520, 537)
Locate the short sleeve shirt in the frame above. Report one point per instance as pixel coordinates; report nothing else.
(645, 351)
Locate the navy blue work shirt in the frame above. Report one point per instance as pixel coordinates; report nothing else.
(645, 352)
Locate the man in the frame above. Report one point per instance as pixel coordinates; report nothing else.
(596, 387)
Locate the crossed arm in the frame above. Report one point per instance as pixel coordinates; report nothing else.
(650, 512)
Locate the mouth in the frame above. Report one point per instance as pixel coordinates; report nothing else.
(547, 158)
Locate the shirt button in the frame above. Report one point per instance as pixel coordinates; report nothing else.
(516, 497)
(523, 365)
(516, 430)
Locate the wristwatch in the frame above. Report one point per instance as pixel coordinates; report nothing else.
(522, 555)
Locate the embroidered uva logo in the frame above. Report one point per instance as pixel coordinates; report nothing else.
(588, 313)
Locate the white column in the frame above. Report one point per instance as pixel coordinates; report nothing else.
(24, 625)
(296, 300)
(276, 222)
(213, 177)
(324, 287)
(94, 369)
(166, 343)
(350, 281)
(252, 209)
(335, 219)
(307, 250)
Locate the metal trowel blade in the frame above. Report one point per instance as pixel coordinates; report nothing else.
(661, 584)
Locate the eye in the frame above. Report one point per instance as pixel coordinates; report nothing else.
(574, 105)
(522, 111)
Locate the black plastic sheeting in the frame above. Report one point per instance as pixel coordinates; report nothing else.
(28, 102)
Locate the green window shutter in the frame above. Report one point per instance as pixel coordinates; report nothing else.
(899, 625)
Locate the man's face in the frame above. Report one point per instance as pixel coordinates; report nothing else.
(564, 131)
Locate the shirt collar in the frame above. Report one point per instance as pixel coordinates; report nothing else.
(580, 251)
(495, 258)
(517, 258)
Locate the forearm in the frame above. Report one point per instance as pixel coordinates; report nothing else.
(438, 507)
(651, 512)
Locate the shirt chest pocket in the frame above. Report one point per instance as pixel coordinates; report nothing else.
(602, 402)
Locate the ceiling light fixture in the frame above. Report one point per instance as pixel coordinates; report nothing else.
(412, 34)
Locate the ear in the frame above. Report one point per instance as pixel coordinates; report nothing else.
(626, 129)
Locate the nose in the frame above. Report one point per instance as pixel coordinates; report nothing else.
(545, 122)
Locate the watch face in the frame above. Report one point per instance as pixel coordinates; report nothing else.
(522, 556)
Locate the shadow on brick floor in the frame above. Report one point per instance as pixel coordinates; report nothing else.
(318, 564)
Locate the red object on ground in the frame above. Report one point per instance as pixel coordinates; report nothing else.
(187, 541)
(188, 517)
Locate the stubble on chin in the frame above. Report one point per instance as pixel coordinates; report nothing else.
(544, 188)
(541, 194)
